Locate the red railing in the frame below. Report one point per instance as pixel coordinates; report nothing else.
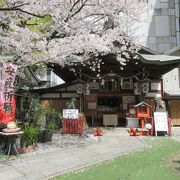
(72, 126)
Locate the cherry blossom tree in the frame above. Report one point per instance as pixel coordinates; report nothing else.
(59, 31)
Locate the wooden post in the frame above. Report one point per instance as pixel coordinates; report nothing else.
(142, 123)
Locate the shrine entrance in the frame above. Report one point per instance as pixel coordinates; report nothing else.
(110, 92)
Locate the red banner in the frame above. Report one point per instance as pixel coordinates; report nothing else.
(7, 99)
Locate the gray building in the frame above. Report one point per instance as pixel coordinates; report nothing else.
(160, 32)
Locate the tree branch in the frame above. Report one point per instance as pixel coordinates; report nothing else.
(78, 10)
(32, 14)
(83, 4)
(18, 8)
(74, 5)
(56, 35)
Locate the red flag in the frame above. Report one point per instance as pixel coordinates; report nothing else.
(8, 105)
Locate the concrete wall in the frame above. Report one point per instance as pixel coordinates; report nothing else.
(161, 33)
(160, 29)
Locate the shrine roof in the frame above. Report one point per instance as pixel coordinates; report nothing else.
(141, 103)
(158, 59)
(172, 95)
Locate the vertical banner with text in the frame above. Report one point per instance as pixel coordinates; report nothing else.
(8, 74)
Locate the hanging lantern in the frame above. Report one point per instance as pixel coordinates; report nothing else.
(137, 88)
(86, 90)
(145, 87)
(102, 82)
(79, 89)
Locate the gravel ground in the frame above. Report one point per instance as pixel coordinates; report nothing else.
(68, 141)
(61, 142)
(74, 140)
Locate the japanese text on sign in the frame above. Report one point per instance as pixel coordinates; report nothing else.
(161, 121)
(70, 113)
(8, 74)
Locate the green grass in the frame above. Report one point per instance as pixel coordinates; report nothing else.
(149, 164)
(4, 158)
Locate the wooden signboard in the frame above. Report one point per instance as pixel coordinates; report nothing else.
(70, 113)
(161, 121)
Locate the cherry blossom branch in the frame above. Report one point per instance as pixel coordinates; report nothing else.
(88, 30)
(74, 5)
(18, 8)
(83, 4)
(78, 10)
(56, 34)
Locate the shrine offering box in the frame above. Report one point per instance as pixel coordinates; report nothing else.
(143, 110)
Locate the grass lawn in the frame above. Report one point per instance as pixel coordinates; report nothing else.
(159, 162)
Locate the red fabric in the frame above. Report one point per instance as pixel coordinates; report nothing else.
(5, 118)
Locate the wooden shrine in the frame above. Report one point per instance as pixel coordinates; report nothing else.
(113, 91)
(143, 111)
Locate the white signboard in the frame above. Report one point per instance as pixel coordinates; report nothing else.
(156, 86)
(161, 121)
(70, 113)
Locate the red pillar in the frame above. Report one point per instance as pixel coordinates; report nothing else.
(142, 123)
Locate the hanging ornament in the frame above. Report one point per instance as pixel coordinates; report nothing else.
(79, 89)
(145, 87)
(121, 82)
(86, 89)
(137, 88)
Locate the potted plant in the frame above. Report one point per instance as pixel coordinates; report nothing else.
(48, 132)
(50, 125)
(29, 138)
(46, 118)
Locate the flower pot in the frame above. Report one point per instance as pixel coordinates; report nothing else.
(46, 135)
(26, 149)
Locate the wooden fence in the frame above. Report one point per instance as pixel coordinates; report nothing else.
(72, 126)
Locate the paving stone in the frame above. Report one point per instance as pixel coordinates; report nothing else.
(10, 175)
(44, 163)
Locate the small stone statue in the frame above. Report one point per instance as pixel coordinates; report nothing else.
(159, 104)
(71, 104)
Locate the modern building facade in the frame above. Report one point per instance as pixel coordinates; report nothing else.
(161, 33)
(159, 30)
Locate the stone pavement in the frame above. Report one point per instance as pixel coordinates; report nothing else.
(115, 142)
